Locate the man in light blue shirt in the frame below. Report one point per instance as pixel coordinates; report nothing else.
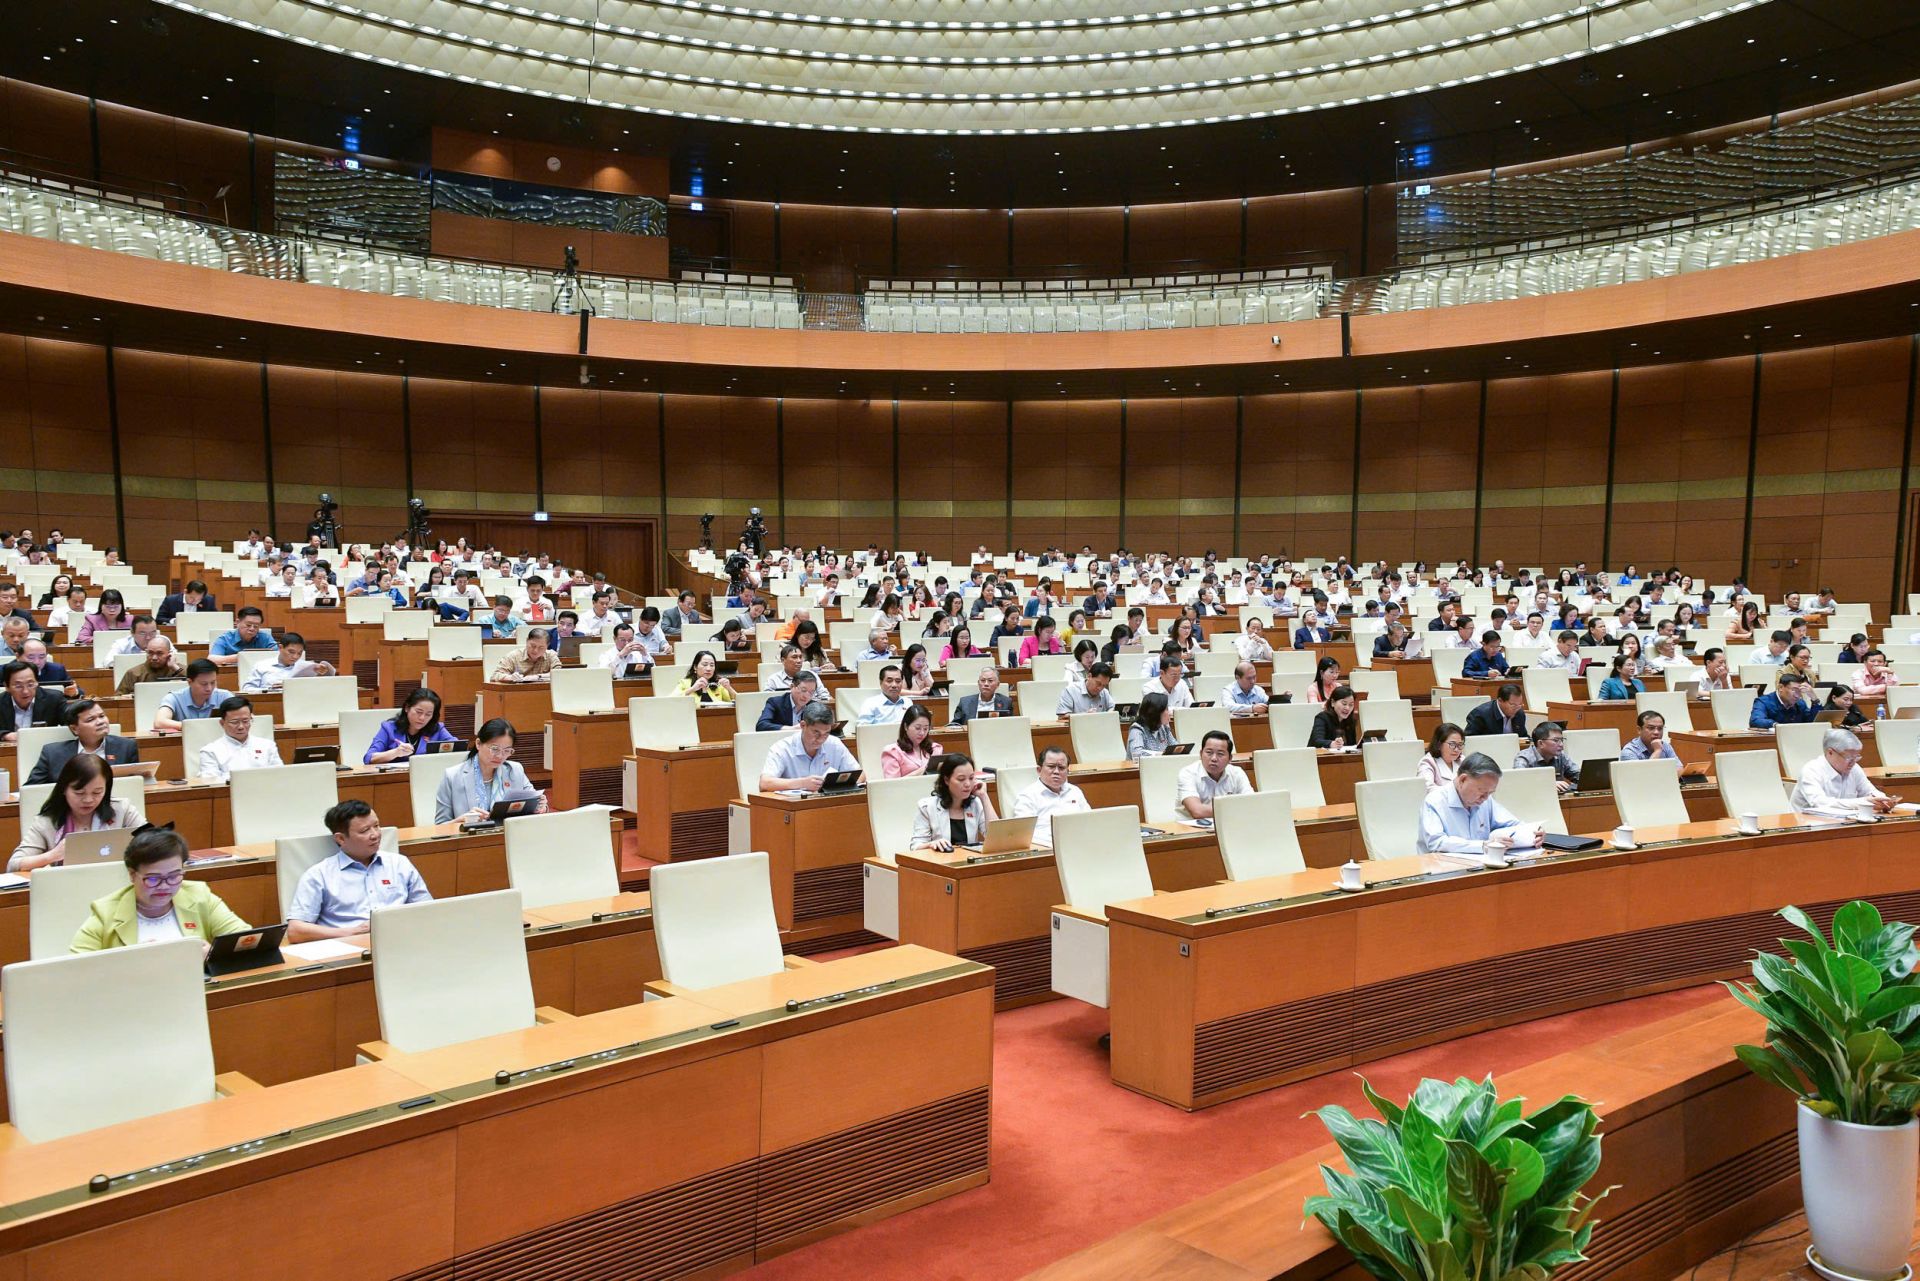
(879, 645)
(1463, 818)
(1243, 692)
(249, 632)
(199, 701)
(1650, 744)
(799, 761)
(891, 703)
(337, 896)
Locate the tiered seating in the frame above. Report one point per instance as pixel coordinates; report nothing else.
(1070, 306)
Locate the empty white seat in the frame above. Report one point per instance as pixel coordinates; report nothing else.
(713, 921)
(1750, 783)
(1100, 860)
(1294, 770)
(1647, 793)
(59, 899)
(451, 970)
(1394, 758)
(424, 774)
(290, 800)
(1096, 738)
(891, 805)
(1256, 834)
(563, 857)
(77, 1024)
(583, 689)
(1389, 815)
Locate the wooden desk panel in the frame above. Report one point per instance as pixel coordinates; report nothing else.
(680, 800)
(1422, 959)
(816, 845)
(587, 751)
(528, 706)
(1698, 746)
(730, 1154)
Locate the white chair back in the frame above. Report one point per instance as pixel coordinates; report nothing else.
(451, 970)
(713, 920)
(564, 856)
(423, 781)
(1291, 724)
(664, 723)
(747, 706)
(1191, 724)
(1096, 738)
(1394, 715)
(201, 625)
(1732, 708)
(1544, 685)
(582, 689)
(1799, 746)
(1159, 780)
(1001, 741)
(1647, 793)
(1038, 700)
(1750, 783)
(1100, 858)
(318, 700)
(1008, 783)
(454, 642)
(1899, 743)
(76, 1023)
(30, 743)
(1256, 835)
(1532, 796)
(1294, 770)
(1389, 814)
(407, 624)
(750, 756)
(891, 804)
(357, 729)
(1394, 758)
(291, 800)
(58, 900)
(1499, 748)
(871, 740)
(1671, 704)
(1592, 745)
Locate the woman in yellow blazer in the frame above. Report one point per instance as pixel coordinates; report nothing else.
(159, 903)
(701, 681)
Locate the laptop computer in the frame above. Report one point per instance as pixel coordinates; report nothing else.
(568, 647)
(106, 846)
(725, 667)
(1831, 716)
(444, 745)
(1127, 711)
(246, 950)
(1179, 749)
(1596, 775)
(1006, 835)
(840, 782)
(314, 753)
(148, 770)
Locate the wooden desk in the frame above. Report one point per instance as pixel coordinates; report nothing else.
(1620, 715)
(816, 845)
(400, 666)
(1686, 1125)
(730, 1134)
(679, 800)
(1290, 978)
(1698, 746)
(450, 861)
(587, 750)
(528, 706)
(458, 682)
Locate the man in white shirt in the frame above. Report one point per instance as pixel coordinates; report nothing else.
(647, 631)
(1213, 775)
(1565, 655)
(1171, 684)
(1834, 785)
(1050, 793)
(135, 641)
(600, 618)
(792, 662)
(628, 656)
(890, 704)
(285, 666)
(236, 749)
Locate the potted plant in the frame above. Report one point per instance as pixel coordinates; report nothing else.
(1459, 1185)
(1843, 1033)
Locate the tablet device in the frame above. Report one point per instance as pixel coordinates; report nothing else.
(245, 950)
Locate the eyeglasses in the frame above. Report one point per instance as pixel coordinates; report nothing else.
(158, 880)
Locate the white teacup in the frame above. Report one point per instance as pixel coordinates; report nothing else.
(1623, 837)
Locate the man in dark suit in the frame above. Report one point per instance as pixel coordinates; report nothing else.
(195, 597)
(26, 704)
(782, 711)
(92, 733)
(1505, 713)
(988, 702)
(51, 674)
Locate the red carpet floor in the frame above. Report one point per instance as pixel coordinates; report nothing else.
(1077, 1159)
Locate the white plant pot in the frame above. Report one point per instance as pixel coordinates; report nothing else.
(1858, 1185)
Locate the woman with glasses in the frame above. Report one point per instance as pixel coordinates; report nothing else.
(81, 801)
(491, 775)
(159, 903)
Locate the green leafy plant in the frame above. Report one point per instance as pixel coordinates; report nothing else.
(1459, 1185)
(1843, 1018)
